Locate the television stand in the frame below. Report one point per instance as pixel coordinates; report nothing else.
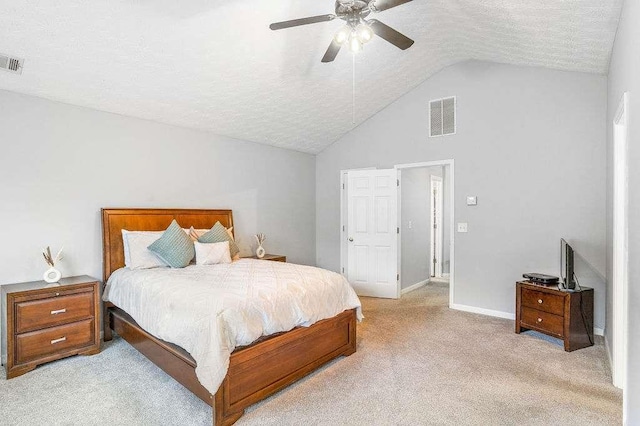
(561, 314)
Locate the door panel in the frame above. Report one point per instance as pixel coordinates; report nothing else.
(360, 271)
(361, 205)
(382, 215)
(372, 218)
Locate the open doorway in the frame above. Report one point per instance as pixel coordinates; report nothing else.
(436, 197)
(372, 229)
(426, 224)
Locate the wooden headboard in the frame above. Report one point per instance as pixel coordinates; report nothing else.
(115, 220)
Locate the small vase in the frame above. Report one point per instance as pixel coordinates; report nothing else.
(52, 275)
(260, 252)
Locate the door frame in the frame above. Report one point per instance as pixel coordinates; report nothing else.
(452, 234)
(620, 265)
(438, 234)
(344, 227)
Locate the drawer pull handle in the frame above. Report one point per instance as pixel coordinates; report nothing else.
(54, 341)
(58, 311)
(539, 319)
(540, 301)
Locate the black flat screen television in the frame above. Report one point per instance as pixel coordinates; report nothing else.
(566, 265)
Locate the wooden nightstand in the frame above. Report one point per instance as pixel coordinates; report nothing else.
(272, 257)
(43, 322)
(565, 315)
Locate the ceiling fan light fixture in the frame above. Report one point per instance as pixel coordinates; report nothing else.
(342, 35)
(355, 45)
(364, 32)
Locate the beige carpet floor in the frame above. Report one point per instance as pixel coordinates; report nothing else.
(418, 363)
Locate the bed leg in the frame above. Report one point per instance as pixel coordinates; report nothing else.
(106, 323)
(220, 416)
(226, 421)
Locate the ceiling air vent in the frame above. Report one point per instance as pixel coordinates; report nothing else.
(442, 117)
(11, 64)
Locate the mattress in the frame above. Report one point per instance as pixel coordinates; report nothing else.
(210, 310)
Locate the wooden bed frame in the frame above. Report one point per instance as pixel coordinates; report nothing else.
(255, 371)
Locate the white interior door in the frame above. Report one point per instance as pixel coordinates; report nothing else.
(437, 231)
(372, 221)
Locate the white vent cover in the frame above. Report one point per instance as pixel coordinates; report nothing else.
(442, 117)
(11, 64)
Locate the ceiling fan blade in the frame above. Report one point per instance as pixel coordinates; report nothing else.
(380, 5)
(331, 52)
(399, 40)
(301, 21)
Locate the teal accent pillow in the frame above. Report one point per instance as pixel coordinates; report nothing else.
(218, 234)
(174, 247)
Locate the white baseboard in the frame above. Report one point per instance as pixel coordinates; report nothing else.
(446, 275)
(499, 314)
(483, 311)
(414, 286)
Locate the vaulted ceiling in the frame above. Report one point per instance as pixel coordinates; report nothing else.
(215, 65)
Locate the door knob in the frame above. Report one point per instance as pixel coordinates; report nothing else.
(350, 239)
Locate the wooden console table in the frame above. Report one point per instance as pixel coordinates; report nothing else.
(562, 314)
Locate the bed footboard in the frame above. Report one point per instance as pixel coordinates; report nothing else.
(256, 371)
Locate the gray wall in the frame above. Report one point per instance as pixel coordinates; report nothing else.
(416, 240)
(624, 75)
(526, 137)
(60, 164)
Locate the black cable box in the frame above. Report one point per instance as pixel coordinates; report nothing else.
(541, 278)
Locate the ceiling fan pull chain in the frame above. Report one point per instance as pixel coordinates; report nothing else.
(353, 94)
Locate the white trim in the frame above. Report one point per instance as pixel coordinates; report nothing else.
(483, 311)
(414, 286)
(620, 245)
(343, 220)
(607, 349)
(399, 234)
(452, 186)
(598, 331)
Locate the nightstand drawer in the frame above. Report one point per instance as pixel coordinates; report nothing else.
(551, 303)
(55, 340)
(37, 314)
(550, 323)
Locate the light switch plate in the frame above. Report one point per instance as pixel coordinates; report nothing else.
(472, 200)
(462, 227)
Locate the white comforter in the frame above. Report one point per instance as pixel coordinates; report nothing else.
(209, 310)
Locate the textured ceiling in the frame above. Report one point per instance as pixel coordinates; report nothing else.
(215, 65)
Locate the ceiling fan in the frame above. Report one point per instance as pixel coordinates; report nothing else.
(357, 30)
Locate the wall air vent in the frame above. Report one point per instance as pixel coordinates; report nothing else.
(11, 64)
(442, 117)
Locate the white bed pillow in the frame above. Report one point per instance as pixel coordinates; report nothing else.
(136, 253)
(197, 233)
(212, 253)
